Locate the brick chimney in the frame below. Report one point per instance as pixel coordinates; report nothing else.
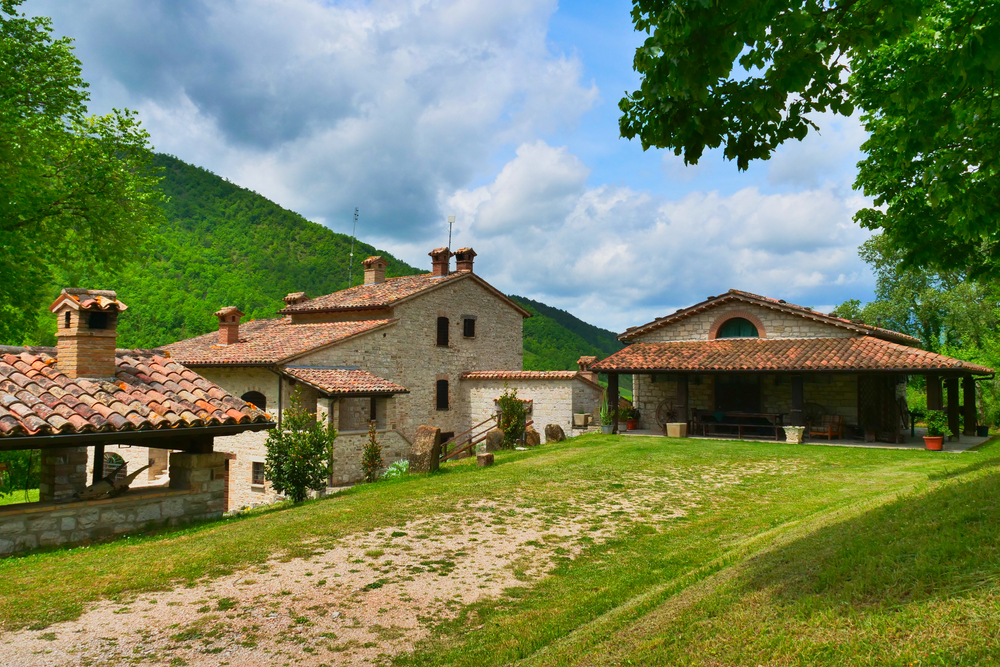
(585, 363)
(293, 298)
(87, 330)
(463, 259)
(229, 325)
(374, 270)
(440, 259)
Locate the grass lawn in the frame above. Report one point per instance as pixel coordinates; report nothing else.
(18, 497)
(684, 553)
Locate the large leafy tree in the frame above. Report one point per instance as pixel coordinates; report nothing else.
(73, 187)
(747, 75)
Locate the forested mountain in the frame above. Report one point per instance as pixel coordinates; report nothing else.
(555, 339)
(225, 245)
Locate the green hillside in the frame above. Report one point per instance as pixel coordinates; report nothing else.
(225, 245)
(555, 339)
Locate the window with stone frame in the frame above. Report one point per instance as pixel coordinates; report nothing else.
(257, 474)
(469, 327)
(442, 332)
(442, 394)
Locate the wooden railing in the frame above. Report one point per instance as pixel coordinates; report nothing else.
(467, 440)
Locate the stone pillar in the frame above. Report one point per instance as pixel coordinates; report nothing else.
(201, 474)
(953, 421)
(969, 396)
(63, 473)
(335, 411)
(324, 410)
(795, 414)
(682, 397)
(613, 399)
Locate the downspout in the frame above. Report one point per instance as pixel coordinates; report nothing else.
(278, 374)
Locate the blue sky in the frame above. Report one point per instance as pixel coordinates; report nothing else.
(504, 114)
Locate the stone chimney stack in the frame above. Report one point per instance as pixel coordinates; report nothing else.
(464, 258)
(87, 330)
(229, 325)
(440, 259)
(585, 363)
(293, 298)
(374, 270)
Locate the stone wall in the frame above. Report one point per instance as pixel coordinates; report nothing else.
(347, 454)
(777, 324)
(196, 492)
(553, 401)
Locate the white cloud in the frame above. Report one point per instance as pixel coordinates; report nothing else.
(620, 257)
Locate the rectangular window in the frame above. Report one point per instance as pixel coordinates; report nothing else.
(469, 327)
(257, 477)
(442, 394)
(442, 332)
(372, 411)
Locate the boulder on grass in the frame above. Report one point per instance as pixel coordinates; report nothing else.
(494, 440)
(554, 433)
(484, 459)
(532, 438)
(425, 455)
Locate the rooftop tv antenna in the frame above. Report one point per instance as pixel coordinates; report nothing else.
(451, 222)
(350, 264)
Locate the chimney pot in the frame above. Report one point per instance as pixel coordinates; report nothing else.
(464, 258)
(87, 332)
(585, 363)
(293, 298)
(229, 325)
(374, 270)
(440, 259)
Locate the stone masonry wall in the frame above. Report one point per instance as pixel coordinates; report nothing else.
(196, 493)
(777, 324)
(553, 401)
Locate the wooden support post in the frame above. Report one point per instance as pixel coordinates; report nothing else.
(613, 399)
(969, 396)
(682, 397)
(796, 417)
(934, 399)
(954, 422)
(98, 473)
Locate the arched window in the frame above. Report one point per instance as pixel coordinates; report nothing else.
(113, 463)
(256, 398)
(738, 327)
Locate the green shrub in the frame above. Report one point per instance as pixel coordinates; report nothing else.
(513, 415)
(937, 423)
(397, 469)
(371, 456)
(300, 453)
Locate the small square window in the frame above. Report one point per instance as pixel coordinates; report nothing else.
(258, 473)
(469, 327)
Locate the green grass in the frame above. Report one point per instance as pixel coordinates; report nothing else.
(18, 497)
(813, 556)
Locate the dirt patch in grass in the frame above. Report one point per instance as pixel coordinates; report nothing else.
(369, 596)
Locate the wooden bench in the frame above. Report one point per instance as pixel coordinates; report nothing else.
(740, 423)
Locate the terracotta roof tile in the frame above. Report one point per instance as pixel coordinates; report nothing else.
(861, 353)
(265, 342)
(44, 401)
(344, 380)
(526, 375)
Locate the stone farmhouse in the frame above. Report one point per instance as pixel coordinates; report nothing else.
(68, 404)
(431, 349)
(742, 364)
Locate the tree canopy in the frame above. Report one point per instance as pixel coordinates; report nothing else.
(748, 75)
(73, 187)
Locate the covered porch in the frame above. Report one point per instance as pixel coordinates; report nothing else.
(851, 389)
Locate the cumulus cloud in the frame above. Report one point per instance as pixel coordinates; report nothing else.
(326, 106)
(618, 256)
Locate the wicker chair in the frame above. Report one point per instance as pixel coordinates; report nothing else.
(830, 426)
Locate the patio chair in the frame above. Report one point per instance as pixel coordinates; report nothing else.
(829, 426)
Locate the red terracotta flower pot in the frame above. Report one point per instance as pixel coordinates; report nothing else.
(935, 443)
(631, 424)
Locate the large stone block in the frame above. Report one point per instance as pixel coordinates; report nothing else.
(494, 440)
(425, 456)
(6, 547)
(554, 433)
(148, 513)
(531, 437)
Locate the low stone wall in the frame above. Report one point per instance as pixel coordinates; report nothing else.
(347, 450)
(196, 492)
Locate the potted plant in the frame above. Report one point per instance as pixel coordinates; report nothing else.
(937, 426)
(631, 418)
(607, 416)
